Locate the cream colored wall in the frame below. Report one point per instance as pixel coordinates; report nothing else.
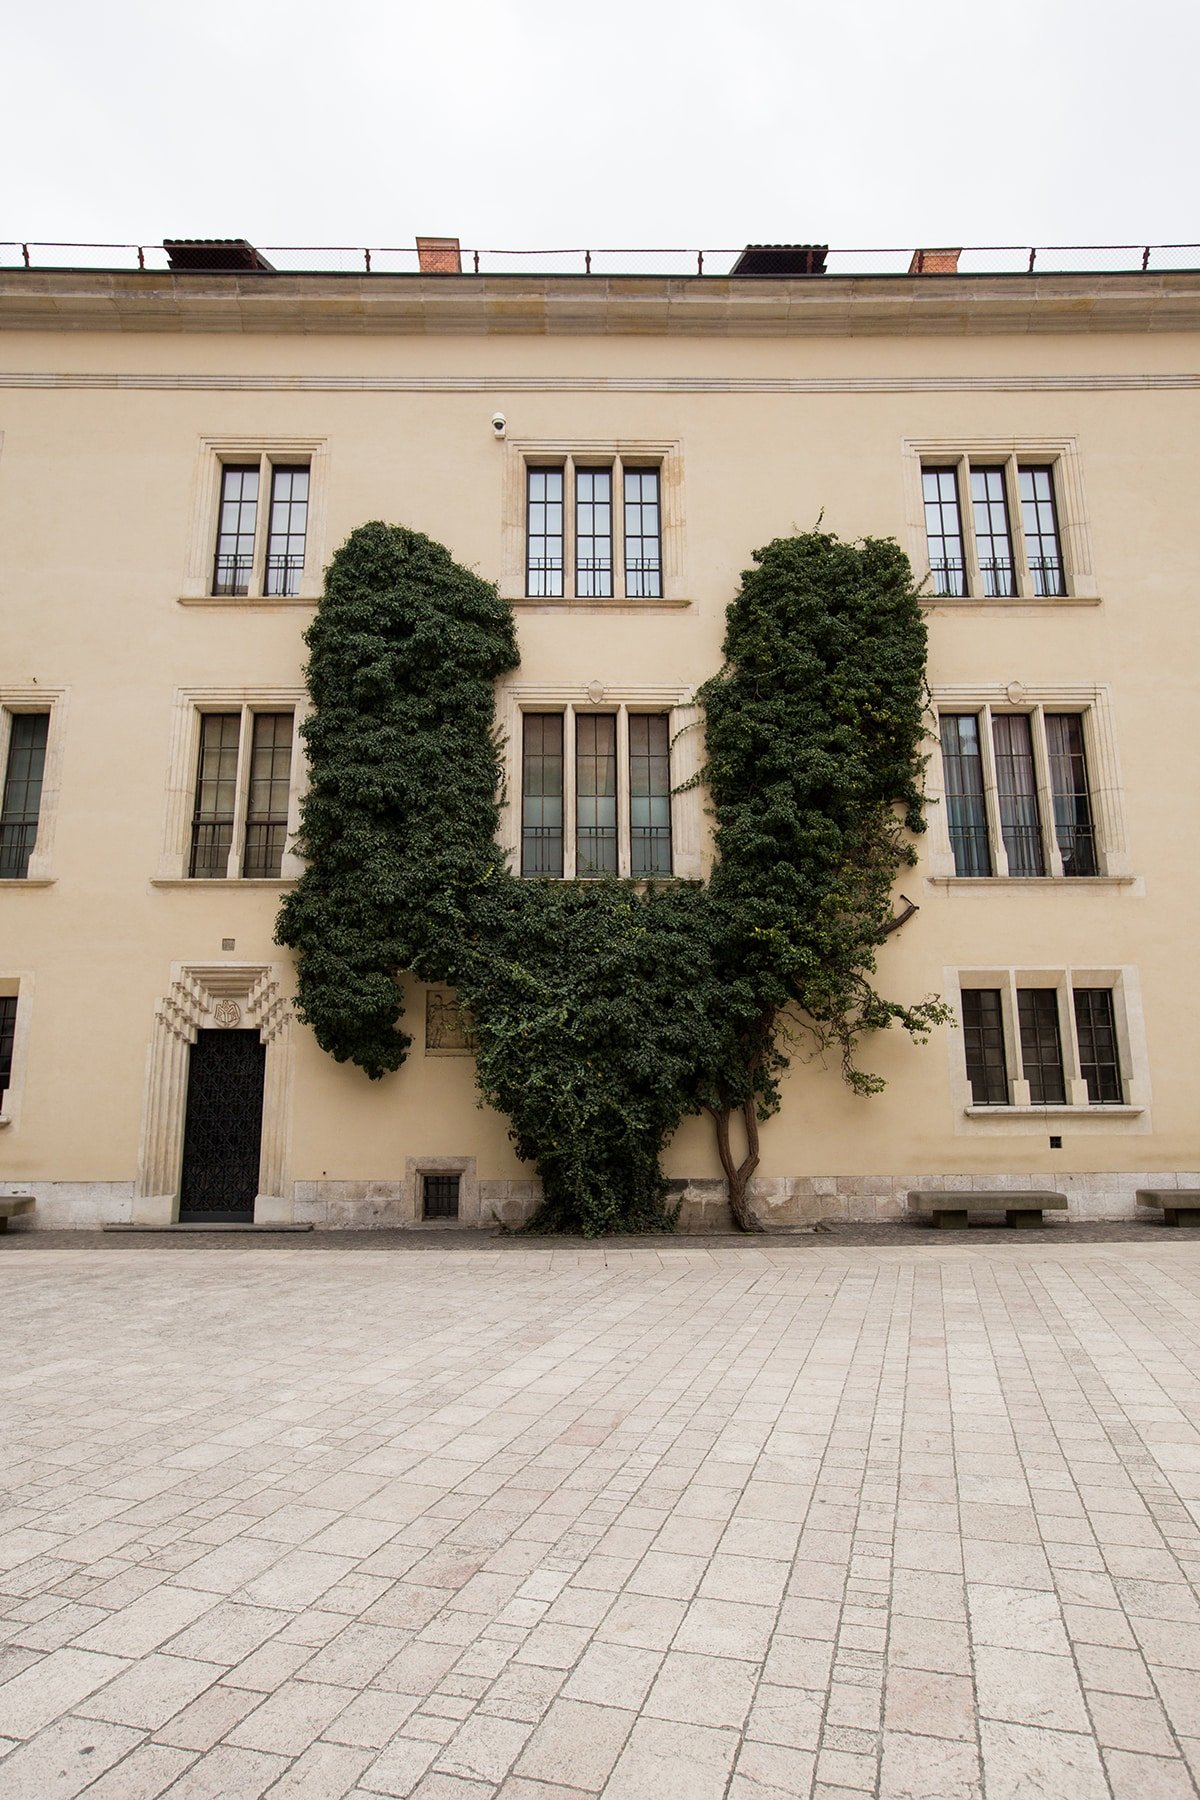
(97, 517)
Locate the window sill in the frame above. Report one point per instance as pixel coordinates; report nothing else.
(261, 602)
(532, 603)
(1018, 603)
(1054, 1112)
(226, 882)
(1031, 881)
(27, 881)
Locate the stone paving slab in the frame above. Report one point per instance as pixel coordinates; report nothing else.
(654, 1520)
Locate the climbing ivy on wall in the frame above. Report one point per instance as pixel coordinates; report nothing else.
(606, 1011)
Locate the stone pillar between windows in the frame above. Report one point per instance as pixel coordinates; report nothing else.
(190, 1006)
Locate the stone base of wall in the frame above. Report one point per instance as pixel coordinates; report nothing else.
(783, 1203)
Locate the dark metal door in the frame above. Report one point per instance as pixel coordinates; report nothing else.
(222, 1133)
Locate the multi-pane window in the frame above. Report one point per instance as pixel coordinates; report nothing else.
(643, 535)
(1099, 1059)
(997, 551)
(439, 1196)
(983, 1043)
(596, 794)
(1017, 795)
(25, 767)
(256, 555)
(993, 536)
(1041, 1046)
(544, 533)
(242, 791)
(579, 544)
(8, 1032)
(943, 530)
(593, 534)
(1039, 521)
(1043, 1041)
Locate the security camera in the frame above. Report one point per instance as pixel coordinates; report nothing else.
(499, 424)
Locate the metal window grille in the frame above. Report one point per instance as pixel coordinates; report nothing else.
(643, 535)
(288, 525)
(983, 1043)
(216, 794)
(8, 1031)
(1016, 779)
(650, 794)
(1041, 1046)
(267, 799)
(993, 535)
(943, 531)
(593, 534)
(1039, 520)
(542, 794)
(439, 1195)
(1099, 1060)
(22, 801)
(544, 533)
(595, 794)
(233, 561)
(966, 809)
(1073, 825)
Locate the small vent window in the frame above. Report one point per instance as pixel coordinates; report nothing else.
(440, 1194)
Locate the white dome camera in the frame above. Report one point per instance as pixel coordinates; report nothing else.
(499, 424)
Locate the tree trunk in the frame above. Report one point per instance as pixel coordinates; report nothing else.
(737, 1175)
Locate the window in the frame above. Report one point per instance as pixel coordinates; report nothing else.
(242, 790)
(20, 807)
(579, 544)
(8, 1032)
(1008, 544)
(1054, 1039)
(439, 1196)
(1017, 796)
(596, 793)
(259, 550)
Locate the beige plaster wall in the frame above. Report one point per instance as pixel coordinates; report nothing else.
(102, 515)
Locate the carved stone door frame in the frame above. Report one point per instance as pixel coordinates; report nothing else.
(203, 996)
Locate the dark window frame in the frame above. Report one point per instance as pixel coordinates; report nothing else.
(993, 525)
(23, 789)
(1039, 1028)
(441, 1193)
(261, 541)
(572, 550)
(1099, 1045)
(984, 1047)
(8, 1037)
(240, 780)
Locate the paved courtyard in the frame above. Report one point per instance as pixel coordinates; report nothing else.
(657, 1522)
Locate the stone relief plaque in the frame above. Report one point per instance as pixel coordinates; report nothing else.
(227, 1013)
(446, 1029)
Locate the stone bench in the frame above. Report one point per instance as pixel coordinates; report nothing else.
(952, 1210)
(12, 1204)
(1180, 1206)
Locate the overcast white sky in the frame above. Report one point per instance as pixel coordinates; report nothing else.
(604, 122)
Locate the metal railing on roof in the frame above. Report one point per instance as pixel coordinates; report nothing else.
(339, 259)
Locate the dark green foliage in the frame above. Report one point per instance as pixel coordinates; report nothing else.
(605, 1011)
(400, 817)
(814, 732)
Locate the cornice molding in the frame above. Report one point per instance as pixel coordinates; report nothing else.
(557, 305)
(500, 383)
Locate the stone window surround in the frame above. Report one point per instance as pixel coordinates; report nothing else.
(188, 705)
(33, 698)
(412, 1192)
(686, 740)
(1059, 453)
(1020, 1117)
(664, 454)
(214, 454)
(18, 983)
(1106, 790)
(187, 1008)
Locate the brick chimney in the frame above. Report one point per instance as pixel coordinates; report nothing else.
(934, 262)
(439, 256)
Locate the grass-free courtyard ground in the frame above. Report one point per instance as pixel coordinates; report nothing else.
(670, 1521)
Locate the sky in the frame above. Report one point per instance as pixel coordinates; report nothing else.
(659, 123)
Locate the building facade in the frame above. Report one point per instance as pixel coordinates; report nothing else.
(180, 454)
